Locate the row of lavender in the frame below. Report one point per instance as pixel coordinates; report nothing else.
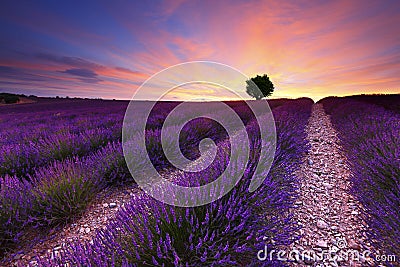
(54, 189)
(54, 194)
(227, 232)
(36, 134)
(24, 123)
(48, 150)
(29, 141)
(370, 136)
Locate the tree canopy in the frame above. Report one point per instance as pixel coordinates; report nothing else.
(265, 87)
(8, 98)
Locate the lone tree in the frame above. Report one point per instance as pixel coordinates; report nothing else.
(265, 87)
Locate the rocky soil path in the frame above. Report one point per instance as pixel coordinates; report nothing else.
(103, 209)
(330, 216)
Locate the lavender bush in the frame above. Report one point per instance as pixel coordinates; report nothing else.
(57, 193)
(63, 190)
(23, 159)
(370, 138)
(15, 204)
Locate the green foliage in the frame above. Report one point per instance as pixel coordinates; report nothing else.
(265, 87)
(8, 98)
(62, 192)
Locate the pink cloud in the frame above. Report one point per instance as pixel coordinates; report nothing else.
(310, 49)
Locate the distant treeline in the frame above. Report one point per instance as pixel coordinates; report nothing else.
(9, 98)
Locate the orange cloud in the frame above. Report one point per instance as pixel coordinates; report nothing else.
(312, 49)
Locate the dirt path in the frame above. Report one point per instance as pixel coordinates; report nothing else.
(330, 216)
(96, 216)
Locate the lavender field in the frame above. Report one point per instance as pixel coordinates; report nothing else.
(369, 130)
(58, 156)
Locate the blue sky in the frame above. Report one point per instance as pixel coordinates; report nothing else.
(108, 48)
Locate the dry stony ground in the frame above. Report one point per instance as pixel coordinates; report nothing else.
(330, 216)
(98, 214)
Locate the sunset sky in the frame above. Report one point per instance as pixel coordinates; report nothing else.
(108, 48)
